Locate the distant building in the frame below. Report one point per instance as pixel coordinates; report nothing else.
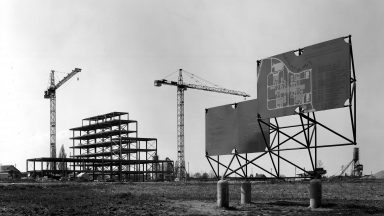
(9, 172)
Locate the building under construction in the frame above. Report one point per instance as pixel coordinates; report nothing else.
(107, 147)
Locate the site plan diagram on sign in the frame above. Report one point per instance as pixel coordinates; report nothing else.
(316, 79)
(286, 88)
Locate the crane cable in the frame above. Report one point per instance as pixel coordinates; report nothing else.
(200, 80)
(172, 73)
(57, 77)
(196, 79)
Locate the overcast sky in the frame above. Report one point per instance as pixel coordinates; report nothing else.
(123, 46)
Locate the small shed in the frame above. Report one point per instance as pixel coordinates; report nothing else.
(9, 172)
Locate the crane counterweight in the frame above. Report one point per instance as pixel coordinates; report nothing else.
(157, 83)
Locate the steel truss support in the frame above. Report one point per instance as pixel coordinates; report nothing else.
(307, 130)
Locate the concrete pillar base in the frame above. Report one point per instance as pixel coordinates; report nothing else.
(222, 194)
(315, 193)
(246, 190)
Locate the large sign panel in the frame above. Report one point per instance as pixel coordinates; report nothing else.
(232, 127)
(318, 79)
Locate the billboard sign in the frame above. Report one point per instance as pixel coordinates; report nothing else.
(232, 127)
(318, 79)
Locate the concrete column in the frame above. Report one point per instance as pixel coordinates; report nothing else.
(315, 193)
(246, 192)
(222, 193)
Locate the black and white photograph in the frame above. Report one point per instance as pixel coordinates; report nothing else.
(191, 107)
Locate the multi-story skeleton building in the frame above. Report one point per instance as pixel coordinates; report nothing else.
(107, 147)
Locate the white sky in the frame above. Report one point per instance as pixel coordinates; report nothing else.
(123, 46)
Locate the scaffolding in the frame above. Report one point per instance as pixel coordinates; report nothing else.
(107, 147)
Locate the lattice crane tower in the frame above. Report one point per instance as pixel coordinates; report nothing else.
(50, 94)
(181, 87)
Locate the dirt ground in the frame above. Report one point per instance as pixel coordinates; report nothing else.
(190, 198)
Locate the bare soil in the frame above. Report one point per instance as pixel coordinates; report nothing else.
(190, 198)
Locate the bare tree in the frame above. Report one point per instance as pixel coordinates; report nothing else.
(320, 164)
(197, 175)
(205, 175)
(62, 165)
(212, 174)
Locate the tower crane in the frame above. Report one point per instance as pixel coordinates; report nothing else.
(181, 87)
(50, 94)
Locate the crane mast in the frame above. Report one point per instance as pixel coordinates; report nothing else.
(52, 115)
(180, 127)
(50, 94)
(181, 87)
